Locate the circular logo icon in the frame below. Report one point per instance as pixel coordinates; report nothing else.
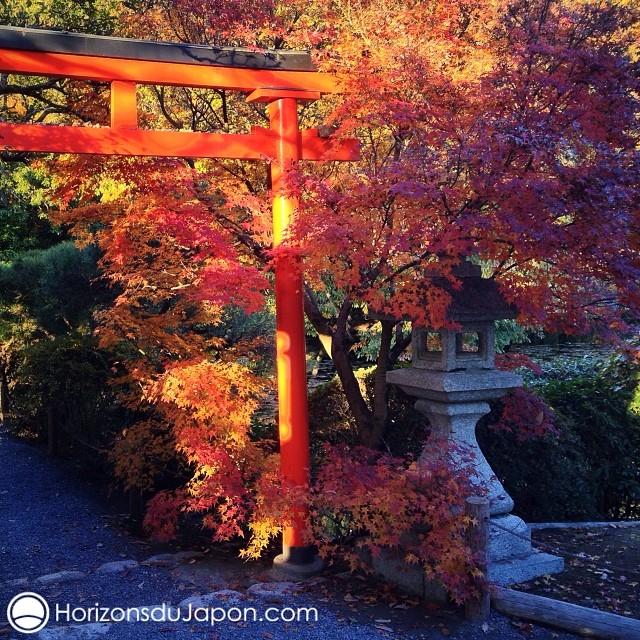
(28, 612)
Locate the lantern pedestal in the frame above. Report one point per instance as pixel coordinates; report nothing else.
(454, 401)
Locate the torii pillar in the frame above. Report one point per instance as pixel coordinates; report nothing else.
(293, 423)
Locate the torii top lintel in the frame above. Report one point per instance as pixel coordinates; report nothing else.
(265, 75)
(101, 58)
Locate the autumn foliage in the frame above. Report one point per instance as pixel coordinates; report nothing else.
(383, 504)
(504, 132)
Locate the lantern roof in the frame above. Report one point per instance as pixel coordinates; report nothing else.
(478, 300)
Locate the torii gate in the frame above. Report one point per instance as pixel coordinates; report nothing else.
(278, 78)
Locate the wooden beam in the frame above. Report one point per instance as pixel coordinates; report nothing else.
(563, 615)
(47, 40)
(132, 142)
(102, 69)
(183, 144)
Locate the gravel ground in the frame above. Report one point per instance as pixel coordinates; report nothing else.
(58, 538)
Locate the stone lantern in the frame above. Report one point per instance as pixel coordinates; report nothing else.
(452, 376)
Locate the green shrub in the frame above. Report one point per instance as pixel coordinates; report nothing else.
(69, 375)
(58, 286)
(548, 477)
(599, 410)
(590, 469)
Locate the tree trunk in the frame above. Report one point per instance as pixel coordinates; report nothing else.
(340, 355)
(371, 421)
(380, 389)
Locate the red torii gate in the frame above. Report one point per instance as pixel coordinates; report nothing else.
(278, 78)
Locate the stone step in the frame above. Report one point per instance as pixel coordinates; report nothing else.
(516, 570)
(75, 632)
(509, 537)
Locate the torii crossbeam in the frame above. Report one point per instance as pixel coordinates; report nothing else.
(279, 78)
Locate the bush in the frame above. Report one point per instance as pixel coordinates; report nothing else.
(68, 374)
(588, 470)
(599, 411)
(58, 286)
(365, 503)
(547, 477)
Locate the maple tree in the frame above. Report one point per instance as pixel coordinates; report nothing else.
(502, 131)
(505, 132)
(490, 137)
